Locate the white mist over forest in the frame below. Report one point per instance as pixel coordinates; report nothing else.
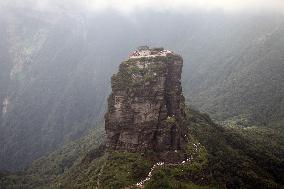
(57, 58)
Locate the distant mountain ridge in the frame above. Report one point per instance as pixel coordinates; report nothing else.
(249, 82)
(230, 158)
(55, 70)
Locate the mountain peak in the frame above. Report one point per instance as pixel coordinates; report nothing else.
(146, 106)
(145, 51)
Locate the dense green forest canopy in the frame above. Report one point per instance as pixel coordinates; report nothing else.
(55, 70)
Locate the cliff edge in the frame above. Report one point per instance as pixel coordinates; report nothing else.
(146, 107)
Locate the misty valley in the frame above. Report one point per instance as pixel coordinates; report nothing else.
(128, 95)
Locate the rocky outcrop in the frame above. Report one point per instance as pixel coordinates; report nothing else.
(146, 106)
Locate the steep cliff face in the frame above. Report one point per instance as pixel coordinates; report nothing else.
(146, 106)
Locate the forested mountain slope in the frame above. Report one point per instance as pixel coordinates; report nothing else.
(55, 70)
(53, 95)
(244, 79)
(231, 158)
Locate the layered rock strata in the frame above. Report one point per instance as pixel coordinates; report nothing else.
(146, 106)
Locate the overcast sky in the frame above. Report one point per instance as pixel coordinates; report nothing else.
(226, 5)
(128, 6)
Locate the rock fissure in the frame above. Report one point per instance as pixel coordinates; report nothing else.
(156, 131)
(146, 106)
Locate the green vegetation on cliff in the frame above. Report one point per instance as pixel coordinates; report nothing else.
(62, 87)
(234, 157)
(124, 169)
(249, 157)
(138, 71)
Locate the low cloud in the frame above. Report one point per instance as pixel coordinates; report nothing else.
(180, 5)
(129, 6)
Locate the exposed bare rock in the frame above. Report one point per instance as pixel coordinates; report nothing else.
(146, 106)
